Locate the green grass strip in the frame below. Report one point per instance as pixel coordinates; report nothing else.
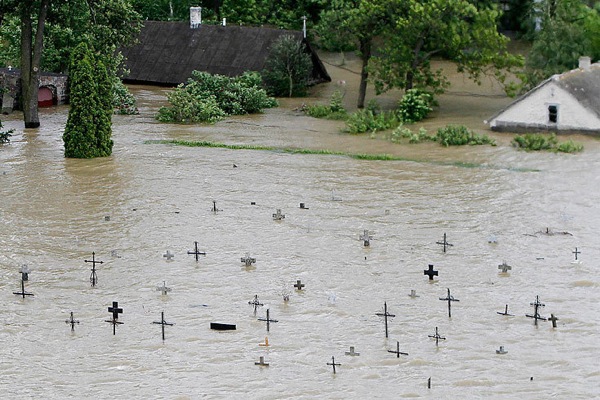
(370, 157)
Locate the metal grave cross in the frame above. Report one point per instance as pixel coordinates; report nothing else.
(504, 267)
(23, 292)
(553, 319)
(576, 252)
(385, 314)
(268, 320)
(72, 321)
(536, 305)
(397, 351)
(449, 299)
(163, 323)
(247, 260)
(366, 238)
(333, 363)
(445, 243)
(24, 270)
(93, 276)
(278, 216)
(430, 272)
(164, 289)
(255, 303)
(352, 352)
(115, 310)
(505, 312)
(299, 285)
(214, 207)
(196, 252)
(437, 336)
(168, 255)
(261, 362)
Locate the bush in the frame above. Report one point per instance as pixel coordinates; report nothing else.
(209, 98)
(287, 68)
(367, 121)
(123, 100)
(415, 105)
(460, 135)
(335, 110)
(5, 135)
(538, 142)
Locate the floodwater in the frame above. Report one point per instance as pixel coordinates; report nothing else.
(132, 207)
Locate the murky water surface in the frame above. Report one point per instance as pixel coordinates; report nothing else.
(53, 215)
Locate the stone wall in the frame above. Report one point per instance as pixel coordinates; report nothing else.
(10, 88)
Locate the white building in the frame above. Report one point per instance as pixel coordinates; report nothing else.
(569, 102)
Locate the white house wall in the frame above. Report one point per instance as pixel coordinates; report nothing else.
(532, 112)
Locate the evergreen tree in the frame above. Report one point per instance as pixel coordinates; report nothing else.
(88, 130)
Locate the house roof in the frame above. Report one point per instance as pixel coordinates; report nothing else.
(168, 52)
(583, 84)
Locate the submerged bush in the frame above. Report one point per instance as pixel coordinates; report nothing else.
(209, 98)
(366, 120)
(335, 110)
(460, 135)
(415, 105)
(123, 100)
(539, 142)
(5, 135)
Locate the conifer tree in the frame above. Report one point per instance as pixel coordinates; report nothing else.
(88, 130)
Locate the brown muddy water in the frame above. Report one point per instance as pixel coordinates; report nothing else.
(145, 199)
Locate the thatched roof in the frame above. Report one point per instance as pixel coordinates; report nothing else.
(168, 52)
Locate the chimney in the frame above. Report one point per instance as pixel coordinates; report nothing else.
(585, 63)
(195, 17)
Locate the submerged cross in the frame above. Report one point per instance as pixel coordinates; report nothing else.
(445, 243)
(333, 363)
(366, 238)
(268, 320)
(72, 321)
(278, 216)
(385, 314)
(93, 276)
(397, 351)
(576, 252)
(504, 267)
(430, 272)
(115, 310)
(299, 285)
(450, 299)
(164, 289)
(255, 303)
(247, 260)
(168, 255)
(437, 336)
(23, 292)
(163, 323)
(196, 252)
(553, 319)
(536, 305)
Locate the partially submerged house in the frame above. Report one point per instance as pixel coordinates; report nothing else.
(168, 52)
(569, 103)
(53, 89)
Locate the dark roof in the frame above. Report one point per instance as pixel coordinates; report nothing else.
(168, 52)
(583, 84)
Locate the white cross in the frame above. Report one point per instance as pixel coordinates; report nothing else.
(164, 289)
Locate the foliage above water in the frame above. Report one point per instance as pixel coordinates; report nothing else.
(209, 98)
(287, 68)
(450, 135)
(545, 142)
(415, 105)
(335, 110)
(5, 135)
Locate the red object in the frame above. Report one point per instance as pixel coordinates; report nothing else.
(45, 97)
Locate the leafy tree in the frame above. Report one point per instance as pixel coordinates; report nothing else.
(287, 68)
(347, 22)
(454, 29)
(569, 30)
(88, 130)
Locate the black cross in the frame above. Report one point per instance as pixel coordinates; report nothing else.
(214, 207)
(247, 260)
(299, 285)
(72, 321)
(504, 267)
(23, 292)
(268, 320)
(437, 336)
(385, 314)
(115, 310)
(397, 351)
(576, 252)
(93, 276)
(278, 216)
(196, 252)
(553, 319)
(445, 243)
(255, 303)
(450, 299)
(333, 363)
(505, 312)
(430, 272)
(163, 323)
(536, 305)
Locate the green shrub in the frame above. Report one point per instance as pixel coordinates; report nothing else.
(539, 142)
(415, 105)
(335, 110)
(367, 121)
(460, 135)
(287, 68)
(209, 98)
(401, 132)
(123, 100)
(5, 135)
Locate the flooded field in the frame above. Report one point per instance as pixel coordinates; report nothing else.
(132, 207)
